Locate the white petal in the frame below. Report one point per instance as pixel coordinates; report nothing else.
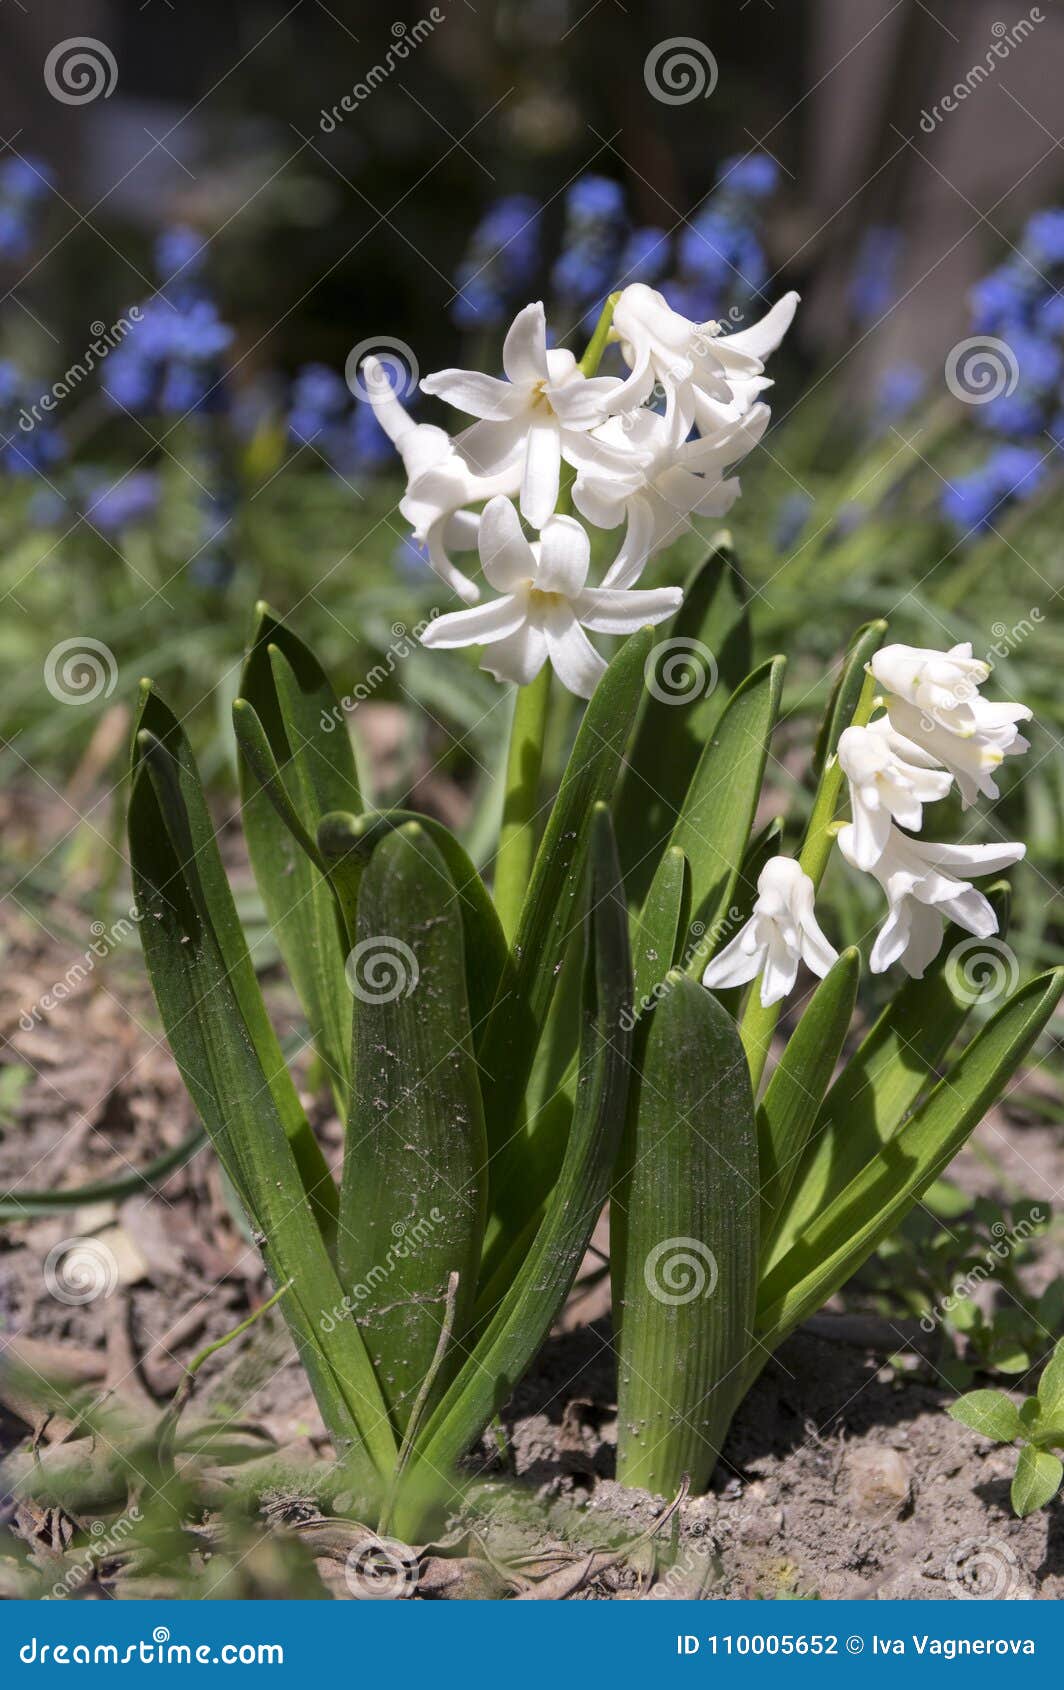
(476, 394)
(762, 338)
(542, 472)
(630, 561)
(925, 940)
(871, 830)
(576, 662)
(505, 554)
(482, 625)
(892, 938)
(584, 402)
(564, 555)
(524, 351)
(613, 610)
(781, 971)
(519, 657)
(735, 964)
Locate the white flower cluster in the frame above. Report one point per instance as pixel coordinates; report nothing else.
(935, 729)
(630, 464)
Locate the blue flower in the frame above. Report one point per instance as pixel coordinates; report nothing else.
(1013, 414)
(644, 256)
(755, 176)
(969, 502)
(873, 285)
(1043, 238)
(900, 388)
(25, 180)
(114, 506)
(500, 262)
(1016, 471)
(1002, 299)
(595, 199)
(179, 252)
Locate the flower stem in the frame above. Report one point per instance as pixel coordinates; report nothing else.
(596, 346)
(758, 1023)
(517, 834)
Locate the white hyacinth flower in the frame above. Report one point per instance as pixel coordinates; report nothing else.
(711, 378)
(922, 891)
(932, 697)
(543, 412)
(781, 932)
(890, 779)
(440, 483)
(546, 605)
(680, 479)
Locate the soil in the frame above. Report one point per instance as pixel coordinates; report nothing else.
(842, 1476)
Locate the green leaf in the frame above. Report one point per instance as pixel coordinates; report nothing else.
(351, 840)
(684, 1239)
(846, 692)
(658, 930)
(847, 1230)
(879, 1085)
(699, 658)
(414, 1186)
(182, 797)
(292, 771)
(990, 1413)
(547, 922)
(796, 1090)
(530, 1305)
(1036, 1480)
(221, 1067)
(1051, 1385)
(715, 820)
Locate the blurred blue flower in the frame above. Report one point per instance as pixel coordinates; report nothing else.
(1043, 238)
(874, 282)
(644, 256)
(117, 505)
(900, 388)
(792, 514)
(25, 180)
(754, 176)
(593, 237)
(500, 262)
(1011, 473)
(180, 253)
(1003, 298)
(595, 199)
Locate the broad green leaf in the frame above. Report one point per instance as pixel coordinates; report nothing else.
(796, 1090)
(717, 814)
(990, 1413)
(659, 929)
(222, 1070)
(414, 1186)
(189, 818)
(547, 923)
(347, 843)
(684, 1239)
(698, 660)
(846, 692)
(1051, 1385)
(531, 1303)
(847, 1230)
(884, 1077)
(1036, 1480)
(292, 771)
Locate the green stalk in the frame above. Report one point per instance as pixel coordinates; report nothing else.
(758, 1023)
(517, 832)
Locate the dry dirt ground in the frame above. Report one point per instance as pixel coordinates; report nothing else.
(842, 1476)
